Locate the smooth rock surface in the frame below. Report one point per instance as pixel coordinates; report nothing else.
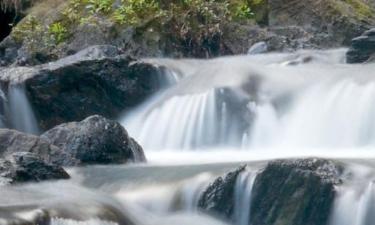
(95, 140)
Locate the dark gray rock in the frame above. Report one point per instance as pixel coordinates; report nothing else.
(218, 198)
(90, 82)
(12, 141)
(23, 167)
(285, 192)
(95, 140)
(362, 48)
(295, 192)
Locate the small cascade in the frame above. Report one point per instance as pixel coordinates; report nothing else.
(189, 121)
(355, 200)
(3, 107)
(307, 99)
(330, 114)
(192, 190)
(19, 112)
(243, 190)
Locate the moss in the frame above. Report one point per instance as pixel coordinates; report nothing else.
(357, 9)
(361, 8)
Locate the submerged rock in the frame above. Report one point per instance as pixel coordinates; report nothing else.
(285, 192)
(23, 167)
(90, 82)
(95, 140)
(362, 48)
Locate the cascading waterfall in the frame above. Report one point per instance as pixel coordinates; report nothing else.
(244, 103)
(3, 100)
(20, 113)
(275, 105)
(16, 111)
(331, 114)
(243, 191)
(186, 122)
(355, 201)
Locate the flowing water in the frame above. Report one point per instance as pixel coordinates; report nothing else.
(211, 117)
(16, 111)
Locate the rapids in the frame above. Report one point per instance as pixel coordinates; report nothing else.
(211, 117)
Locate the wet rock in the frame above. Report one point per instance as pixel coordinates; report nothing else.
(362, 48)
(12, 141)
(23, 167)
(218, 198)
(95, 140)
(295, 192)
(285, 192)
(91, 82)
(258, 48)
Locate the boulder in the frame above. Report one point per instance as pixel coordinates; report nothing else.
(295, 192)
(362, 48)
(23, 167)
(95, 140)
(285, 192)
(94, 81)
(12, 141)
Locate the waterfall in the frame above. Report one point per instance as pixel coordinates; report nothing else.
(252, 102)
(186, 122)
(331, 114)
(3, 107)
(243, 193)
(20, 113)
(355, 200)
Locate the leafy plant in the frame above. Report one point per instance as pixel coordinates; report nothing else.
(135, 11)
(99, 6)
(58, 32)
(242, 11)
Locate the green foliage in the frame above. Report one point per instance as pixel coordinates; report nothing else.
(133, 12)
(58, 32)
(99, 6)
(189, 21)
(26, 29)
(243, 11)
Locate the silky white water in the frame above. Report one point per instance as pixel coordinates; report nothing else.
(249, 102)
(16, 111)
(211, 117)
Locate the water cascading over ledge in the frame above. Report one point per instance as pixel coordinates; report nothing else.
(16, 111)
(264, 101)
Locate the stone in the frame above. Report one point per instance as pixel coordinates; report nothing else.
(95, 140)
(93, 81)
(21, 167)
